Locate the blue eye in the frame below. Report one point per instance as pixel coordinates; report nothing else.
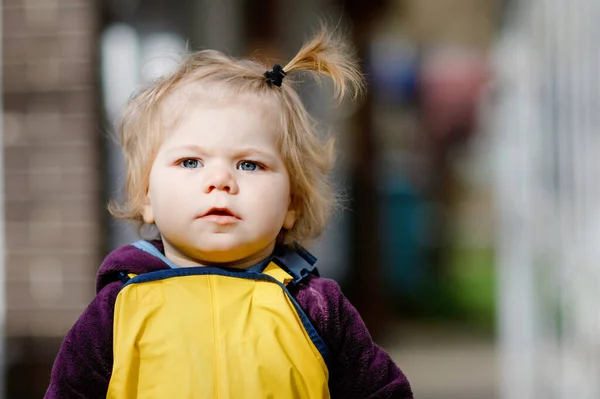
(248, 166)
(190, 163)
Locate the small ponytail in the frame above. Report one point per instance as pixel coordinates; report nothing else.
(327, 53)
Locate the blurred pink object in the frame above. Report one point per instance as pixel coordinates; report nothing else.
(452, 80)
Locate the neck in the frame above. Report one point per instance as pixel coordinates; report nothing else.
(182, 259)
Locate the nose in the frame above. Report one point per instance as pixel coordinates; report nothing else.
(220, 178)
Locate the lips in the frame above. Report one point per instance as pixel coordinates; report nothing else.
(220, 214)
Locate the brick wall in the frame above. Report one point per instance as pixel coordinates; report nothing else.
(53, 180)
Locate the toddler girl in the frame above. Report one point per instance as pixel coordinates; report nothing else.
(224, 160)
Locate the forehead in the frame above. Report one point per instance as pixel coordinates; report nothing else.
(194, 96)
(210, 114)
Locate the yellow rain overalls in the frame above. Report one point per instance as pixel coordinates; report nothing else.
(207, 332)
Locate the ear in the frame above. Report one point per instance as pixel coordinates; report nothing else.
(291, 214)
(147, 212)
(290, 219)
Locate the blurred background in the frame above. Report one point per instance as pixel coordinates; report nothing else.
(468, 239)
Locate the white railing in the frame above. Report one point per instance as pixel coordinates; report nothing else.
(547, 145)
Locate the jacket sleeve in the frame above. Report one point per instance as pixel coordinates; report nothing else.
(83, 366)
(360, 368)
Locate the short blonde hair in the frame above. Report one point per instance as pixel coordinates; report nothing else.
(308, 158)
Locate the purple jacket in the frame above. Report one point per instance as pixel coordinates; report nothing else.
(360, 368)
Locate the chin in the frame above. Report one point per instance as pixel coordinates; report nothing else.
(229, 250)
(223, 252)
(219, 245)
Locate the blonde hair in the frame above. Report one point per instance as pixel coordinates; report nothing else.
(308, 159)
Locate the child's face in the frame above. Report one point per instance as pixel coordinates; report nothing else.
(219, 191)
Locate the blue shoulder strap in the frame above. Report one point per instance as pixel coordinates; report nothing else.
(298, 262)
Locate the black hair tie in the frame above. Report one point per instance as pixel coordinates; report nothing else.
(276, 75)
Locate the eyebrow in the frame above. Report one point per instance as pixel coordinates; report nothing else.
(189, 147)
(243, 152)
(253, 151)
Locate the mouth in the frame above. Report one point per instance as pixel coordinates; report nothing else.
(220, 215)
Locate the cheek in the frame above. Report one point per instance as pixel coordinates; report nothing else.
(169, 180)
(165, 193)
(271, 198)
